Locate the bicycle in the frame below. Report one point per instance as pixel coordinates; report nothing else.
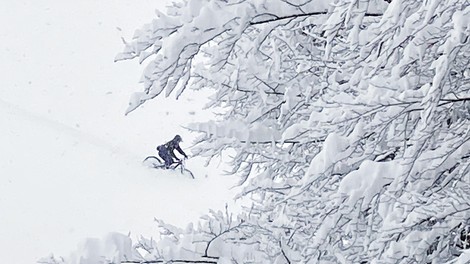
(156, 163)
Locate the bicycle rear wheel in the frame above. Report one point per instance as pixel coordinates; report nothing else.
(153, 162)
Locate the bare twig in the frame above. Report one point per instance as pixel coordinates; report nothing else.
(276, 18)
(284, 253)
(166, 261)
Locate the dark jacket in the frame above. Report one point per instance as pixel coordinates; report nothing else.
(170, 146)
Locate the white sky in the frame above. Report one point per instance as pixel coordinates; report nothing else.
(59, 84)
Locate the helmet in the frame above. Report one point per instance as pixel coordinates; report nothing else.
(178, 138)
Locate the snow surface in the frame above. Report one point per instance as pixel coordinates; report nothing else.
(70, 161)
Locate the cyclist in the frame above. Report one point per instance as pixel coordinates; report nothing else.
(166, 151)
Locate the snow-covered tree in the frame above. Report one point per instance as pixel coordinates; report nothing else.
(349, 120)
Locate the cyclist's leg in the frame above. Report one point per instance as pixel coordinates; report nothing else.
(166, 157)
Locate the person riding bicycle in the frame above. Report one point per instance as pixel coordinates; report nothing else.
(166, 151)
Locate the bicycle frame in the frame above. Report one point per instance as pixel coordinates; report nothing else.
(180, 163)
(159, 164)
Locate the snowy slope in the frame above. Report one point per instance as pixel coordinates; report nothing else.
(59, 185)
(70, 161)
